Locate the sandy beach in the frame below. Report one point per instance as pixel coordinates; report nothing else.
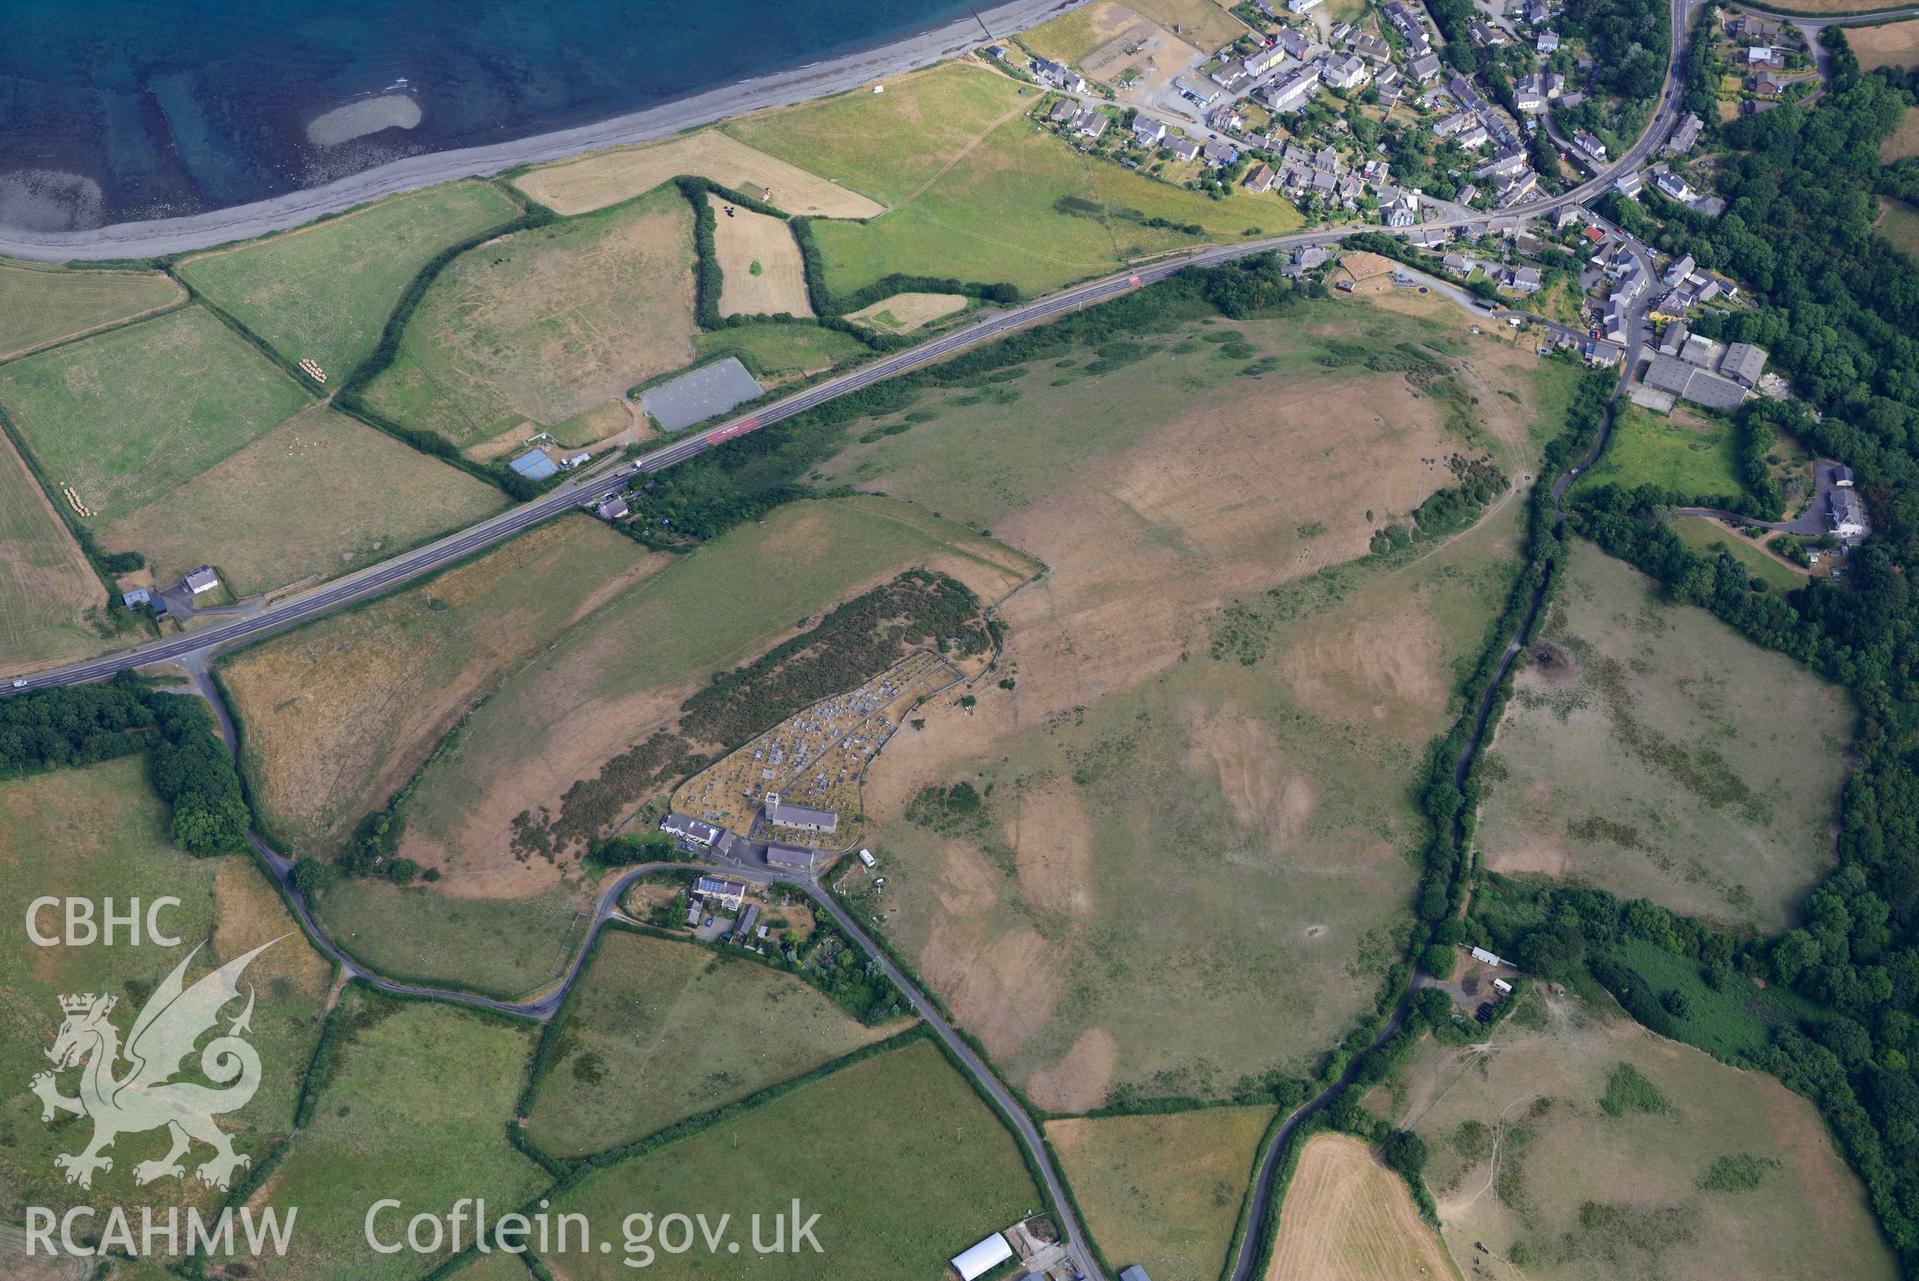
(242, 222)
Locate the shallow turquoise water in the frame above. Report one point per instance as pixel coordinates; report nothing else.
(175, 108)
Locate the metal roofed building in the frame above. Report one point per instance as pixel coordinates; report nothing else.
(982, 1257)
(534, 465)
(1666, 373)
(1744, 363)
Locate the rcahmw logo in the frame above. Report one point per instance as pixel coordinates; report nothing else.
(148, 1092)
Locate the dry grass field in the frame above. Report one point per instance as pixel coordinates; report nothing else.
(340, 713)
(1162, 1191)
(1188, 867)
(1904, 141)
(41, 305)
(608, 177)
(1650, 750)
(47, 587)
(1894, 44)
(1526, 1160)
(1346, 1217)
(546, 323)
(585, 698)
(903, 313)
(665, 1030)
(611, 684)
(314, 498)
(1078, 34)
(761, 268)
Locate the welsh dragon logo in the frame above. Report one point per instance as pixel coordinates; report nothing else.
(147, 1094)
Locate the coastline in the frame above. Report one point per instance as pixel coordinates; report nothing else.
(157, 237)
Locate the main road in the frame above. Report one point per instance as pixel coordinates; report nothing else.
(198, 646)
(404, 568)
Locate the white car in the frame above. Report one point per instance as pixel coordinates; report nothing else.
(19, 682)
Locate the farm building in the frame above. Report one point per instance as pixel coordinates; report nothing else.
(795, 858)
(201, 580)
(728, 894)
(534, 465)
(1667, 373)
(1134, 1273)
(803, 817)
(689, 829)
(977, 1260)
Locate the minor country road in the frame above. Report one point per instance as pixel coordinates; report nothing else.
(196, 647)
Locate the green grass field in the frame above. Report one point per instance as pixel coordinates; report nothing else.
(47, 588)
(903, 1163)
(976, 191)
(1898, 225)
(1658, 753)
(664, 1030)
(39, 305)
(414, 1108)
(318, 496)
(888, 145)
(101, 831)
(1707, 537)
(135, 412)
(777, 351)
(324, 292)
(1685, 452)
(1526, 1160)
(1162, 1191)
(547, 322)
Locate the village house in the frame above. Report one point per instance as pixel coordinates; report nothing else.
(1423, 68)
(1684, 135)
(1148, 132)
(1261, 179)
(1292, 91)
(1547, 42)
(1345, 73)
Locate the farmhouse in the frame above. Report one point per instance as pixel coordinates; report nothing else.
(977, 1260)
(803, 817)
(1846, 513)
(718, 890)
(689, 829)
(201, 581)
(793, 858)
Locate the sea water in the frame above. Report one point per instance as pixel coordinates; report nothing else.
(120, 109)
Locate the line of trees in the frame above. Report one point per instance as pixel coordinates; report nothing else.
(79, 725)
(1838, 309)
